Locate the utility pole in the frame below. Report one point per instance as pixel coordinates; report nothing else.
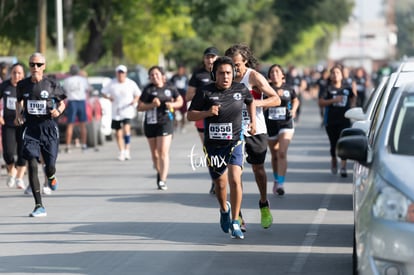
(41, 10)
(59, 29)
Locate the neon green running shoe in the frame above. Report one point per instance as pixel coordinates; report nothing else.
(266, 217)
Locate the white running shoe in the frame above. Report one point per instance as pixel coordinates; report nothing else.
(11, 181)
(121, 156)
(46, 190)
(20, 184)
(127, 155)
(162, 185)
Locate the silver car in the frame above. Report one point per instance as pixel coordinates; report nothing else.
(384, 188)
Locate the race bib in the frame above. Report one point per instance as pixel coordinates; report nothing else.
(245, 118)
(277, 113)
(37, 107)
(341, 103)
(152, 116)
(11, 103)
(221, 131)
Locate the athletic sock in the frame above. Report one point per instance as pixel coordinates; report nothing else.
(281, 180)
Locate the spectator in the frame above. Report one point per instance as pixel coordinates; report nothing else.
(76, 88)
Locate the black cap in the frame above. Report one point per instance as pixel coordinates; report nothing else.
(211, 50)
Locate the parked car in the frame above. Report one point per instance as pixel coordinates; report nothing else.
(93, 114)
(383, 190)
(140, 75)
(382, 95)
(97, 83)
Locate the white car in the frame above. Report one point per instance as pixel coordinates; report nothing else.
(97, 83)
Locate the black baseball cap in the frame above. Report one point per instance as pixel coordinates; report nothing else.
(211, 50)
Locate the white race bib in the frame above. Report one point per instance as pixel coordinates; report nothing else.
(11, 103)
(245, 118)
(277, 113)
(37, 107)
(222, 131)
(152, 116)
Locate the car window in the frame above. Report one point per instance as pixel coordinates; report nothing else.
(375, 115)
(402, 134)
(374, 97)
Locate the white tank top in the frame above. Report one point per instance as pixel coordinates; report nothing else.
(260, 119)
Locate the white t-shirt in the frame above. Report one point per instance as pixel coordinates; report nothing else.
(122, 95)
(76, 87)
(260, 119)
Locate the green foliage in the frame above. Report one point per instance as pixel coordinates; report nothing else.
(304, 52)
(405, 24)
(300, 16)
(109, 32)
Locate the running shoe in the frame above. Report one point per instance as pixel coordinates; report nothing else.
(266, 216)
(11, 181)
(127, 155)
(20, 184)
(39, 211)
(212, 189)
(225, 220)
(242, 223)
(46, 190)
(280, 190)
(162, 185)
(52, 183)
(121, 156)
(28, 190)
(343, 173)
(236, 232)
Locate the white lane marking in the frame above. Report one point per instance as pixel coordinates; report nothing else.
(310, 236)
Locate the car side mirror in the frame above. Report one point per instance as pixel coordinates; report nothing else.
(355, 113)
(354, 147)
(352, 132)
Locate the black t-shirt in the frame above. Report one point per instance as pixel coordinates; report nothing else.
(335, 113)
(39, 98)
(360, 84)
(200, 77)
(225, 128)
(281, 114)
(165, 94)
(180, 82)
(8, 93)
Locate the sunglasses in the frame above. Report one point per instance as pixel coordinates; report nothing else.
(32, 64)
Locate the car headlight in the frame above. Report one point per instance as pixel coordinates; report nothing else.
(391, 204)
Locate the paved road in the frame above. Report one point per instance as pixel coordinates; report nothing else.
(108, 218)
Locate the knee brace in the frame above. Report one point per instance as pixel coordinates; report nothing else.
(127, 139)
